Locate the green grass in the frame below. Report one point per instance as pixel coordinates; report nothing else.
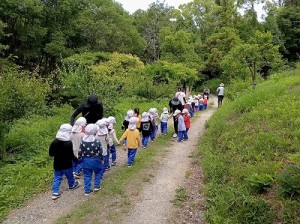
(180, 197)
(247, 150)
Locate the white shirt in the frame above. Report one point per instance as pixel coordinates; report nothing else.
(180, 96)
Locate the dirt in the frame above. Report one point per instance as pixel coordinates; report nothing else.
(153, 204)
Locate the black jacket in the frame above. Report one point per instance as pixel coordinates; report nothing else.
(62, 151)
(92, 110)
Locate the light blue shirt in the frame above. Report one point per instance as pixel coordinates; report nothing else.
(181, 125)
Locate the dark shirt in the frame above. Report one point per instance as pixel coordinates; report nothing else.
(90, 149)
(146, 128)
(62, 151)
(125, 125)
(175, 107)
(91, 110)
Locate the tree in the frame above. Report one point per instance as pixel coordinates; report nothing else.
(254, 56)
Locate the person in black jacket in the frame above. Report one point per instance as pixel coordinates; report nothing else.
(146, 129)
(175, 104)
(91, 109)
(62, 151)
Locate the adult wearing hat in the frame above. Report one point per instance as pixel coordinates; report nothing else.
(175, 104)
(220, 93)
(91, 109)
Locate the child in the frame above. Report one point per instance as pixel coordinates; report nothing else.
(187, 123)
(125, 123)
(91, 153)
(76, 138)
(189, 107)
(154, 119)
(62, 150)
(133, 140)
(201, 101)
(112, 139)
(102, 136)
(181, 126)
(196, 101)
(205, 102)
(164, 121)
(146, 129)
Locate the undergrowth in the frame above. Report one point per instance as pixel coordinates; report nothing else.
(250, 155)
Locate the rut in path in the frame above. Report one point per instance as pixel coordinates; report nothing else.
(154, 205)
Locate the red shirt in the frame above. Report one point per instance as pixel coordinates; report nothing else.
(187, 121)
(205, 101)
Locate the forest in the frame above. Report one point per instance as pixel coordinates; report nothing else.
(53, 53)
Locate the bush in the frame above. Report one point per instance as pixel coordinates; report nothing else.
(289, 180)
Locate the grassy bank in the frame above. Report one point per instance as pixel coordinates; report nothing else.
(251, 155)
(27, 168)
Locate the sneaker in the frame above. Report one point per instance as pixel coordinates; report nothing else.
(97, 189)
(88, 193)
(55, 196)
(113, 163)
(144, 147)
(152, 140)
(107, 168)
(76, 175)
(175, 135)
(129, 165)
(76, 185)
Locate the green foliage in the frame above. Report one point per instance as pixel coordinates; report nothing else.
(247, 143)
(289, 180)
(180, 197)
(260, 183)
(87, 58)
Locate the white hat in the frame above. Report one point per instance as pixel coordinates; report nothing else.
(222, 84)
(185, 111)
(151, 111)
(132, 123)
(176, 112)
(111, 120)
(64, 132)
(145, 116)
(165, 110)
(90, 131)
(79, 124)
(102, 127)
(129, 114)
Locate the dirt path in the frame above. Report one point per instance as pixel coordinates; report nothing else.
(154, 205)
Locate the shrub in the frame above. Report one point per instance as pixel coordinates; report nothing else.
(260, 183)
(289, 180)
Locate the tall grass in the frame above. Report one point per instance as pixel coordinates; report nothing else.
(247, 153)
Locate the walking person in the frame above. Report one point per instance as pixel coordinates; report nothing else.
(164, 117)
(62, 150)
(220, 93)
(187, 123)
(76, 138)
(174, 105)
(181, 125)
(91, 154)
(146, 129)
(102, 136)
(112, 139)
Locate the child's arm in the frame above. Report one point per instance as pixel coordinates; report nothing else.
(123, 136)
(51, 149)
(114, 137)
(139, 139)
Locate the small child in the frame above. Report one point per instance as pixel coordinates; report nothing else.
(201, 102)
(146, 129)
(154, 119)
(181, 126)
(196, 101)
(187, 123)
(189, 107)
(164, 117)
(133, 140)
(91, 153)
(112, 139)
(205, 102)
(102, 136)
(76, 138)
(125, 123)
(62, 150)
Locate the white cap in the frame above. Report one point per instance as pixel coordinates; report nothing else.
(102, 127)
(132, 123)
(185, 111)
(177, 112)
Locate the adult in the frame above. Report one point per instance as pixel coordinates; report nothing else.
(175, 104)
(206, 92)
(181, 97)
(91, 109)
(220, 93)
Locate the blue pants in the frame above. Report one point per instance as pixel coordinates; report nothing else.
(106, 160)
(196, 108)
(185, 134)
(113, 152)
(153, 134)
(163, 127)
(180, 135)
(201, 107)
(205, 106)
(90, 166)
(145, 140)
(131, 154)
(77, 166)
(58, 174)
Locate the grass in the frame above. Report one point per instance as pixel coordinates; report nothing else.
(180, 197)
(248, 145)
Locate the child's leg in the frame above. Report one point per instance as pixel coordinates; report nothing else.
(180, 136)
(131, 156)
(97, 170)
(87, 174)
(106, 161)
(79, 167)
(152, 135)
(58, 174)
(70, 177)
(113, 152)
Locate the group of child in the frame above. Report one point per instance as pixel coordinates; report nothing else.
(88, 147)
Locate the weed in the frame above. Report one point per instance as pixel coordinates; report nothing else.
(180, 197)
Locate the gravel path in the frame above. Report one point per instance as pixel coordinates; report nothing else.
(154, 205)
